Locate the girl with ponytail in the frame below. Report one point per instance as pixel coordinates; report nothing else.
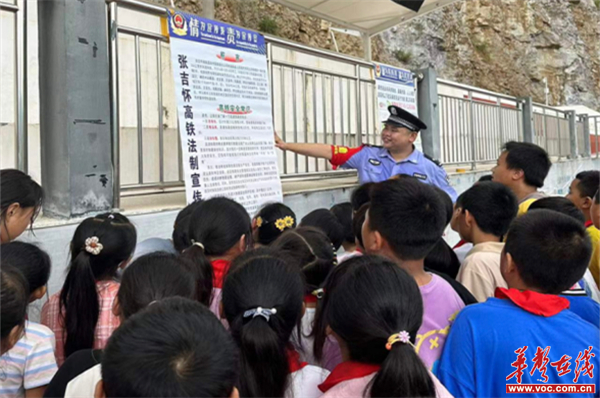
(81, 315)
(262, 301)
(315, 255)
(219, 231)
(374, 309)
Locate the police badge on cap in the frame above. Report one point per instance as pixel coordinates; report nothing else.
(401, 118)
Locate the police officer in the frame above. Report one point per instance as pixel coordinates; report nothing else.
(398, 155)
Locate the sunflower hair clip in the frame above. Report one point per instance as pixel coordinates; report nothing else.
(283, 223)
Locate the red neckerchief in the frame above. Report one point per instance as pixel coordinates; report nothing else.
(459, 244)
(533, 302)
(589, 223)
(358, 249)
(347, 371)
(220, 268)
(310, 299)
(294, 361)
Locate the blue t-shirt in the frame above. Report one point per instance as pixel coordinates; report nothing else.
(480, 350)
(586, 308)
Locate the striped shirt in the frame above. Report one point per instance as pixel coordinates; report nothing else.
(107, 321)
(29, 364)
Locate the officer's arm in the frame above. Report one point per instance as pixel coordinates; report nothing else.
(307, 149)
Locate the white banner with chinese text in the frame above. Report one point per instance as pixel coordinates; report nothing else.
(397, 87)
(224, 109)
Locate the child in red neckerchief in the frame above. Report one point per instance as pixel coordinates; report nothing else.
(262, 301)
(315, 256)
(374, 309)
(527, 337)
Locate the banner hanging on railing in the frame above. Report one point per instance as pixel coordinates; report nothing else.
(224, 109)
(396, 86)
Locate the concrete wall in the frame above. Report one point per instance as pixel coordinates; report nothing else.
(55, 240)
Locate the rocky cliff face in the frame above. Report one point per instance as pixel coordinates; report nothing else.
(508, 46)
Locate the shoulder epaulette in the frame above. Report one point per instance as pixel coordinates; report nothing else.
(437, 162)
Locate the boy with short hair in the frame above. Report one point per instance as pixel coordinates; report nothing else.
(584, 295)
(581, 193)
(483, 214)
(405, 220)
(524, 335)
(522, 167)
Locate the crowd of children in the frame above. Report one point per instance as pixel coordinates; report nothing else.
(365, 299)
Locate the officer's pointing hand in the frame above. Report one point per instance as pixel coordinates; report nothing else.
(279, 143)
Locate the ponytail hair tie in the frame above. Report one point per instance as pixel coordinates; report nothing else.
(93, 245)
(259, 311)
(400, 337)
(200, 245)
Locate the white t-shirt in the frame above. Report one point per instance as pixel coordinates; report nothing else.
(84, 385)
(348, 255)
(305, 348)
(305, 382)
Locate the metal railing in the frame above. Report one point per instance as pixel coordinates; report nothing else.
(594, 123)
(551, 127)
(475, 123)
(18, 9)
(331, 99)
(582, 145)
(334, 103)
(142, 170)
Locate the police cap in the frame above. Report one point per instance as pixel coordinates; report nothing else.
(401, 118)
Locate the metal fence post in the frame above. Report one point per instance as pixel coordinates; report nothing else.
(472, 131)
(428, 101)
(21, 84)
(558, 128)
(545, 126)
(114, 102)
(586, 136)
(596, 120)
(359, 122)
(572, 134)
(500, 124)
(528, 130)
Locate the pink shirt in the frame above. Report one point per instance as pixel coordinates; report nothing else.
(107, 321)
(356, 388)
(441, 303)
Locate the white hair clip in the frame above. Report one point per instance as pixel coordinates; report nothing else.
(93, 245)
(200, 245)
(259, 311)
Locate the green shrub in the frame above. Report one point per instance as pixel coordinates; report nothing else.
(268, 25)
(403, 56)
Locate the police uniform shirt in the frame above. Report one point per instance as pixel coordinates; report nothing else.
(375, 164)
